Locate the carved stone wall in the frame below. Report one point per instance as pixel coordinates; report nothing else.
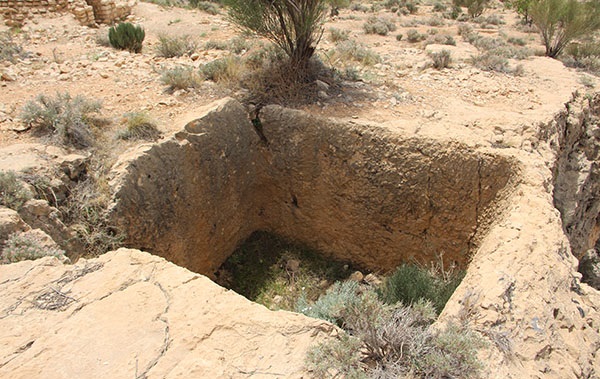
(87, 12)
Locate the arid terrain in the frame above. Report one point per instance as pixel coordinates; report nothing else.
(397, 161)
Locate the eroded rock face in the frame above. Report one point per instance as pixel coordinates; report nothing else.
(355, 191)
(130, 314)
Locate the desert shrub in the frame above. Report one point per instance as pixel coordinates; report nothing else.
(492, 19)
(411, 283)
(390, 341)
(67, 120)
(334, 304)
(295, 25)
(399, 37)
(441, 59)
(26, 246)
(223, 69)
(127, 36)
(336, 5)
(181, 78)
(86, 212)
(205, 6)
(403, 7)
(516, 41)
(9, 49)
(354, 51)
(379, 25)
(562, 21)
(474, 7)
(338, 35)
(170, 47)
(490, 62)
(337, 358)
(216, 45)
(239, 44)
(441, 39)
(435, 21)
(139, 126)
(465, 31)
(439, 7)
(13, 194)
(584, 55)
(414, 36)
(359, 7)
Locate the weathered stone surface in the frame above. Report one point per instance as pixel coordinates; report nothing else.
(10, 222)
(129, 314)
(39, 214)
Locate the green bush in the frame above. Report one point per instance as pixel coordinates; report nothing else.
(26, 246)
(379, 25)
(474, 7)
(139, 126)
(170, 47)
(584, 55)
(411, 283)
(562, 21)
(294, 25)
(127, 36)
(66, 120)
(227, 69)
(13, 194)
(181, 78)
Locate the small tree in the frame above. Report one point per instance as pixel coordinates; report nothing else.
(521, 7)
(293, 25)
(561, 21)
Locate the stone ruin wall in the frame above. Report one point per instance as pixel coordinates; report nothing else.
(87, 12)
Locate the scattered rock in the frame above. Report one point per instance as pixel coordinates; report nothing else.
(357, 276)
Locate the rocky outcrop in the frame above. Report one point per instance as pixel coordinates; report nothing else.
(354, 191)
(129, 314)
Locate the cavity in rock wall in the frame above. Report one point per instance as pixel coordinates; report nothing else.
(355, 192)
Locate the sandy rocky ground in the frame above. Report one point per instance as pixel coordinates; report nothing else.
(403, 90)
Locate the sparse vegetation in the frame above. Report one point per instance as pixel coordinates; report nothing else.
(227, 69)
(181, 78)
(127, 36)
(9, 49)
(379, 25)
(584, 55)
(26, 246)
(205, 6)
(562, 21)
(338, 35)
(170, 46)
(13, 194)
(64, 119)
(354, 51)
(441, 59)
(139, 126)
(390, 340)
(413, 36)
(276, 273)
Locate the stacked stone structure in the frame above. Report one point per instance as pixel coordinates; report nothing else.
(87, 12)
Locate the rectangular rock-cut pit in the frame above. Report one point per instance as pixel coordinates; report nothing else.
(356, 192)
